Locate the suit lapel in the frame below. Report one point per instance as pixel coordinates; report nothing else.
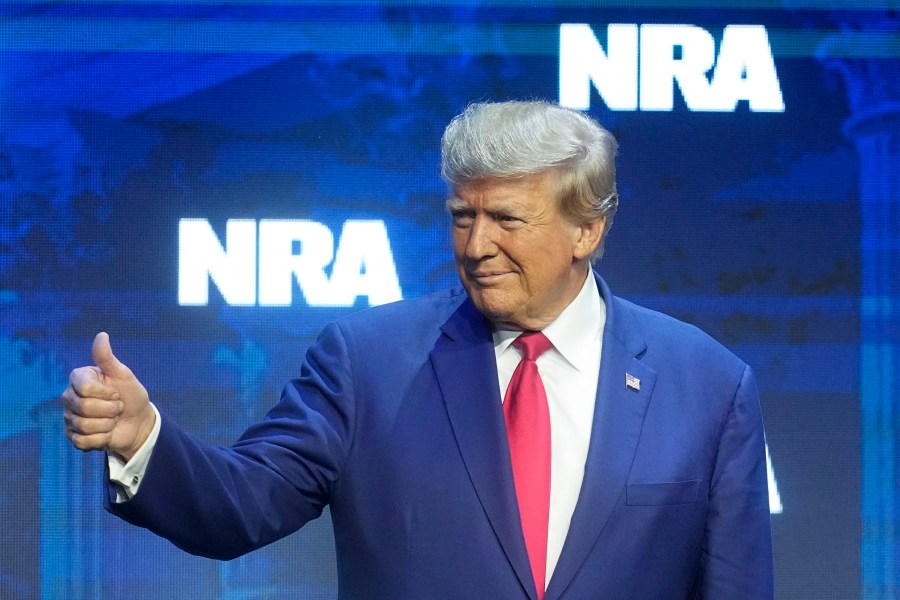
(466, 369)
(618, 418)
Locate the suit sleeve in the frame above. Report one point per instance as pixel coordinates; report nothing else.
(737, 553)
(224, 502)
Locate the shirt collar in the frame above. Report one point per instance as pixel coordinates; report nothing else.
(568, 333)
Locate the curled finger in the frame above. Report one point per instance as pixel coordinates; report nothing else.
(88, 442)
(91, 407)
(88, 382)
(88, 426)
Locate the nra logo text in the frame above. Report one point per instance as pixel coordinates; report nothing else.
(642, 65)
(262, 264)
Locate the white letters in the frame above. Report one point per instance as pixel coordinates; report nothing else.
(289, 251)
(364, 265)
(659, 66)
(669, 56)
(775, 506)
(232, 268)
(746, 70)
(582, 61)
(279, 265)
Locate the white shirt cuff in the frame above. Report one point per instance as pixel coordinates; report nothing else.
(127, 477)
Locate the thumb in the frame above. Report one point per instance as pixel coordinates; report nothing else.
(104, 358)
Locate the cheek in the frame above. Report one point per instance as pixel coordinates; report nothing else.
(457, 242)
(546, 266)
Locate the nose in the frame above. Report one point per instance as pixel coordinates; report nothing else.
(481, 242)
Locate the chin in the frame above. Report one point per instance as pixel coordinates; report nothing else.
(498, 313)
(493, 303)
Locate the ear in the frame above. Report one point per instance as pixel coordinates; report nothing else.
(589, 236)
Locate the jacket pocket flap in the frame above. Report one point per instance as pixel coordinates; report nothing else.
(657, 494)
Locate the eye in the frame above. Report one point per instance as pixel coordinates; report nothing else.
(462, 218)
(509, 220)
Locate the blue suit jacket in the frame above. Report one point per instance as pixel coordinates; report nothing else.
(396, 423)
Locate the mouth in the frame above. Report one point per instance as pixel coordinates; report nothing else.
(487, 278)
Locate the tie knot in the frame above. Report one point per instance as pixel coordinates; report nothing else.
(532, 344)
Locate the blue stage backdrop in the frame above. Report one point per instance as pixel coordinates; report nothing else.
(211, 182)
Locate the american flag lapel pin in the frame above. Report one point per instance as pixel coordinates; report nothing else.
(632, 382)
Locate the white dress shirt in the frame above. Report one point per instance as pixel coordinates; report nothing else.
(128, 476)
(570, 371)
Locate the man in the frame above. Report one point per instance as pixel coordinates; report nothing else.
(606, 452)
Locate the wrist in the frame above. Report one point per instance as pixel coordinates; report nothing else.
(141, 437)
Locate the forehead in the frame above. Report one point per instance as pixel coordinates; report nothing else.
(532, 191)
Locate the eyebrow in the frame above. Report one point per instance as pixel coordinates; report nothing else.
(457, 205)
(454, 204)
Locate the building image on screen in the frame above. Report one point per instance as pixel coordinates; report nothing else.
(214, 183)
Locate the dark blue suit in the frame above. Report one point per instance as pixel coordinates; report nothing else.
(396, 422)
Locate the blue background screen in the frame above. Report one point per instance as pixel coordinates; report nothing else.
(124, 124)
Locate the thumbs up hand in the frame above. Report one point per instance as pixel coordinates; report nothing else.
(106, 407)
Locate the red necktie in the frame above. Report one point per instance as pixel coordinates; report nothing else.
(528, 429)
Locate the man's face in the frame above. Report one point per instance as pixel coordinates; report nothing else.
(520, 260)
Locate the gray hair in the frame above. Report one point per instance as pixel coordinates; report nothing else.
(512, 139)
